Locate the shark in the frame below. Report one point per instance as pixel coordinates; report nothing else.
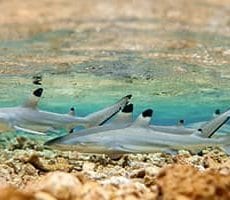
(125, 117)
(29, 118)
(135, 137)
(206, 128)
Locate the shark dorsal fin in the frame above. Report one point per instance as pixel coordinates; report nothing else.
(180, 123)
(72, 111)
(216, 113)
(33, 100)
(144, 118)
(125, 115)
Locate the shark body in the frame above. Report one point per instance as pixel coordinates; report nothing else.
(136, 137)
(30, 119)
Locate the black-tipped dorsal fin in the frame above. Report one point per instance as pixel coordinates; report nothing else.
(216, 113)
(180, 122)
(33, 100)
(125, 115)
(144, 118)
(72, 111)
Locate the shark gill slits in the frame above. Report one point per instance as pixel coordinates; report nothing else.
(128, 108)
(147, 113)
(38, 92)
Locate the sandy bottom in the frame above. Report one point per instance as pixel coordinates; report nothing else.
(45, 174)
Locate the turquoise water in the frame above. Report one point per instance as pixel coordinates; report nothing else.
(91, 94)
(180, 74)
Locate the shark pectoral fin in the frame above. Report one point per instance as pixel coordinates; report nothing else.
(53, 130)
(143, 120)
(18, 128)
(33, 100)
(116, 147)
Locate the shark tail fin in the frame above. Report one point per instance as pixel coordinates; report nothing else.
(124, 116)
(211, 127)
(34, 99)
(102, 116)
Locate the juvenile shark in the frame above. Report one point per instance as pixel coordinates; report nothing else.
(138, 137)
(29, 118)
(206, 129)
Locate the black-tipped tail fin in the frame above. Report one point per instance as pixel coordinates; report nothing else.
(102, 116)
(211, 127)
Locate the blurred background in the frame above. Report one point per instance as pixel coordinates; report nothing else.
(172, 55)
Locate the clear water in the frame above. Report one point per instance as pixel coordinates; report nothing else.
(179, 73)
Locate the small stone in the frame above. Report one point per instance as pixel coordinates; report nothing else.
(152, 171)
(116, 180)
(43, 196)
(61, 185)
(10, 193)
(88, 166)
(140, 173)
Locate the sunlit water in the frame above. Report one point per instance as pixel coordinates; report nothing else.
(180, 74)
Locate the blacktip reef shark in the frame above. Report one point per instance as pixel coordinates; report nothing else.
(124, 119)
(206, 129)
(29, 118)
(137, 137)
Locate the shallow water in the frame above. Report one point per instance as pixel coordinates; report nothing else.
(178, 68)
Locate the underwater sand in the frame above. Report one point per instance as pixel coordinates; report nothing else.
(172, 56)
